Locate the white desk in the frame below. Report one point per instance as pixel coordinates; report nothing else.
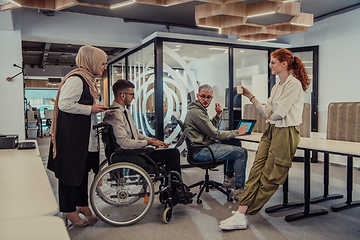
(10, 153)
(25, 189)
(34, 228)
(317, 144)
(349, 149)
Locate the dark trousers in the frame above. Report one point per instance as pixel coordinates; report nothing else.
(168, 157)
(72, 196)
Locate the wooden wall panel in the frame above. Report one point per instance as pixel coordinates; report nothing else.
(39, 84)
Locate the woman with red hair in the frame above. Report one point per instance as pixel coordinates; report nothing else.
(283, 113)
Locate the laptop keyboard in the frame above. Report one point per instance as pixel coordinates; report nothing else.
(26, 145)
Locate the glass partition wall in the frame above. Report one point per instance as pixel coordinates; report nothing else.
(186, 67)
(167, 73)
(251, 71)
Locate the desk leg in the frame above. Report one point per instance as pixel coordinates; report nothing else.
(285, 205)
(41, 128)
(326, 195)
(349, 203)
(306, 213)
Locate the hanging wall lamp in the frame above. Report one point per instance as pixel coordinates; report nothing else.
(11, 78)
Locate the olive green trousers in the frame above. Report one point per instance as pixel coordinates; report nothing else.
(271, 166)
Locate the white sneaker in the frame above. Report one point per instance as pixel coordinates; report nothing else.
(229, 182)
(237, 192)
(236, 221)
(228, 219)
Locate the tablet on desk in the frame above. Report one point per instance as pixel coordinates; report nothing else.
(249, 123)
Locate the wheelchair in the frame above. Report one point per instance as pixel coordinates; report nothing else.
(123, 191)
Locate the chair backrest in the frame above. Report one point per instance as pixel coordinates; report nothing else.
(343, 122)
(305, 126)
(188, 143)
(183, 127)
(250, 112)
(204, 165)
(109, 140)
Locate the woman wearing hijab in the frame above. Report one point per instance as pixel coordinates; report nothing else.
(74, 148)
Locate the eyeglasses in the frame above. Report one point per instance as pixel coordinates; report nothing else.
(272, 64)
(132, 94)
(208, 97)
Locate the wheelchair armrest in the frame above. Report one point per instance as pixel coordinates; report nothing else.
(135, 150)
(140, 152)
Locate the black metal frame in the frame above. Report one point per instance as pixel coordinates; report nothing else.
(231, 86)
(158, 53)
(315, 82)
(159, 93)
(338, 207)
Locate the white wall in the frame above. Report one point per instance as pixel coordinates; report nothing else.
(338, 38)
(11, 93)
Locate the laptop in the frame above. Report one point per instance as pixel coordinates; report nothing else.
(249, 123)
(179, 142)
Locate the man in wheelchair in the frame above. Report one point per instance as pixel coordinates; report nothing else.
(127, 137)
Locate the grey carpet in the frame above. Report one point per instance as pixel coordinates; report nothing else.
(196, 221)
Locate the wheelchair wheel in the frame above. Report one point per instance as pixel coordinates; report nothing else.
(167, 214)
(103, 164)
(125, 195)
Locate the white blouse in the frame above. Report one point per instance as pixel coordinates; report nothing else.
(70, 94)
(285, 102)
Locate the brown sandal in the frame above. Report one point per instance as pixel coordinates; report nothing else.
(91, 218)
(78, 224)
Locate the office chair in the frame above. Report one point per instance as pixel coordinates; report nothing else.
(208, 165)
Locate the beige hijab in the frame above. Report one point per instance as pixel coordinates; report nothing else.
(89, 60)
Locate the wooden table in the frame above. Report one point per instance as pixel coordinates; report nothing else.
(25, 189)
(34, 228)
(349, 149)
